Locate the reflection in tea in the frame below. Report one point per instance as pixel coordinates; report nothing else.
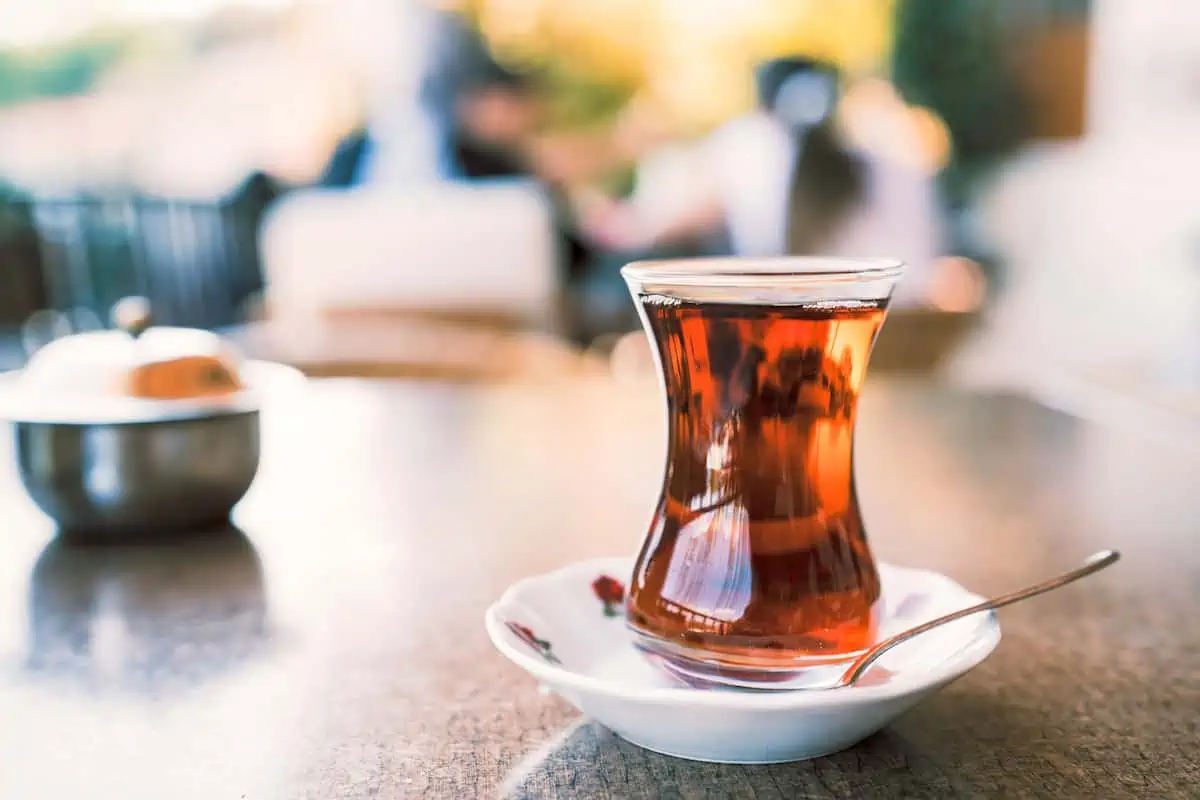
(757, 559)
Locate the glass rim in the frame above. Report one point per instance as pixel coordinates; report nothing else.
(738, 271)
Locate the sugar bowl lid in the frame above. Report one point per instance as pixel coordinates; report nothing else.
(135, 373)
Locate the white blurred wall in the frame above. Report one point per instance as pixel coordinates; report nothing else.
(1144, 74)
(1101, 237)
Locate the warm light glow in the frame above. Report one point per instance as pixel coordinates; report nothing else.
(691, 59)
(876, 118)
(193, 122)
(958, 285)
(933, 136)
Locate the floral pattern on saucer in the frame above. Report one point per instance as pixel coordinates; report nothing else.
(542, 647)
(610, 592)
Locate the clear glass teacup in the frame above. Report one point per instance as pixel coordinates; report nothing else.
(756, 567)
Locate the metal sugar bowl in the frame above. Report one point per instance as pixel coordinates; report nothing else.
(135, 431)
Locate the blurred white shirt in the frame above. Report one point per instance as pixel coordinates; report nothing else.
(751, 160)
(747, 163)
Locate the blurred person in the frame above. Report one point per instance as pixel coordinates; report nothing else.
(471, 118)
(466, 116)
(781, 180)
(495, 116)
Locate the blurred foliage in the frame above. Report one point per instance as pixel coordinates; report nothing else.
(692, 59)
(949, 55)
(67, 69)
(578, 99)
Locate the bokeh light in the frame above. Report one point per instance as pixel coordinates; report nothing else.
(692, 59)
(957, 285)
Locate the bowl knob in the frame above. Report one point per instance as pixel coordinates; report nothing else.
(132, 315)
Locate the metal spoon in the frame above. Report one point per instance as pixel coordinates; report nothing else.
(1095, 563)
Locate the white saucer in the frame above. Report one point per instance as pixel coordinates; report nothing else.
(559, 628)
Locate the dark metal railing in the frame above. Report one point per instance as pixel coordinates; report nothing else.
(197, 262)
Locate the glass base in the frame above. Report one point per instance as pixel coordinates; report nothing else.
(766, 670)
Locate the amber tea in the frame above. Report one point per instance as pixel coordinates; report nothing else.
(757, 563)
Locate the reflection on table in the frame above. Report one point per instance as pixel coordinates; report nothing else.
(151, 615)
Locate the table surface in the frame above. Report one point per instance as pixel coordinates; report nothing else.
(332, 645)
(410, 347)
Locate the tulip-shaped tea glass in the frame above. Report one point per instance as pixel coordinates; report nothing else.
(756, 568)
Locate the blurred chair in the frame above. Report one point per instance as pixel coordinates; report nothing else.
(478, 252)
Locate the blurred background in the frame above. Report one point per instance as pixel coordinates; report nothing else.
(398, 185)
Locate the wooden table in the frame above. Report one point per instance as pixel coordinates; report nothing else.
(407, 346)
(334, 647)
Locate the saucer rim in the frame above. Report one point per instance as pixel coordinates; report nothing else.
(974, 651)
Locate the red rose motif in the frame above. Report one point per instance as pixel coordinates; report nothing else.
(526, 635)
(523, 633)
(611, 593)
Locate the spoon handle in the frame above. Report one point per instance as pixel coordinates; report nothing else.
(1095, 563)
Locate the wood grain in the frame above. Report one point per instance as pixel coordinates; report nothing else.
(332, 645)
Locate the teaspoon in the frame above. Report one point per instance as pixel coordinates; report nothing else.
(1095, 563)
